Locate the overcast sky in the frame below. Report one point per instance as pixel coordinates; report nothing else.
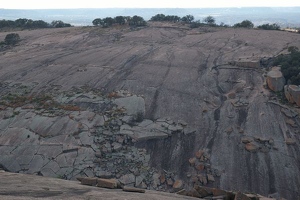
(38, 4)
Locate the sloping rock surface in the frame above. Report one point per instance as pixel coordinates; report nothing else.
(27, 187)
(182, 74)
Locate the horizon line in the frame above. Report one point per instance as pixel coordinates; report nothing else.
(152, 8)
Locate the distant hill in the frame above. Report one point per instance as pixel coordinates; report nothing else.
(284, 16)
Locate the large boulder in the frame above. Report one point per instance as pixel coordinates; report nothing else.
(134, 105)
(275, 79)
(292, 93)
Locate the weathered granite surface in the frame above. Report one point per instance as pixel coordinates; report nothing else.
(29, 187)
(275, 79)
(292, 93)
(71, 76)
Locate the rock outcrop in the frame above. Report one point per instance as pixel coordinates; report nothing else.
(292, 94)
(58, 117)
(275, 79)
(27, 187)
(134, 106)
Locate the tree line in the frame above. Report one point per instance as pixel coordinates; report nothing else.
(32, 24)
(24, 23)
(188, 19)
(121, 20)
(210, 21)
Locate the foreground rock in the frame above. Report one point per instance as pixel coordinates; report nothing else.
(292, 93)
(275, 79)
(27, 187)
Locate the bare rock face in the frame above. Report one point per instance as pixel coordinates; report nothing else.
(275, 79)
(25, 187)
(292, 93)
(183, 74)
(134, 105)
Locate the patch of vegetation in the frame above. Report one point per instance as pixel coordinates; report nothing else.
(281, 97)
(41, 101)
(12, 39)
(120, 20)
(165, 18)
(24, 23)
(269, 27)
(188, 19)
(196, 24)
(244, 24)
(290, 65)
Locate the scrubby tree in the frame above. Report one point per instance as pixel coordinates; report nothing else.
(120, 20)
(244, 24)
(188, 19)
(222, 24)
(21, 22)
(210, 20)
(6, 23)
(290, 65)
(40, 24)
(293, 49)
(108, 21)
(137, 21)
(97, 22)
(59, 24)
(196, 24)
(269, 26)
(172, 18)
(29, 24)
(158, 17)
(12, 39)
(168, 18)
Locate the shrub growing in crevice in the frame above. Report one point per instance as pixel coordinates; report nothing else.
(290, 65)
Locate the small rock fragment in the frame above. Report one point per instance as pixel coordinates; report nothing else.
(203, 192)
(290, 141)
(241, 196)
(202, 179)
(192, 161)
(182, 192)
(193, 193)
(133, 189)
(162, 178)
(246, 140)
(251, 147)
(291, 122)
(229, 130)
(178, 184)
(88, 181)
(210, 178)
(170, 181)
(200, 167)
(199, 153)
(231, 95)
(107, 183)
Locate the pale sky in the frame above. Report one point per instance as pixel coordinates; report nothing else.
(48, 4)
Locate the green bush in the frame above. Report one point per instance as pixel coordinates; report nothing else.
(12, 39)
(244, 24)
(269, 27)
(290, 65)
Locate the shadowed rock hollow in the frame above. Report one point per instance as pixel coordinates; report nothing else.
(204, 77)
